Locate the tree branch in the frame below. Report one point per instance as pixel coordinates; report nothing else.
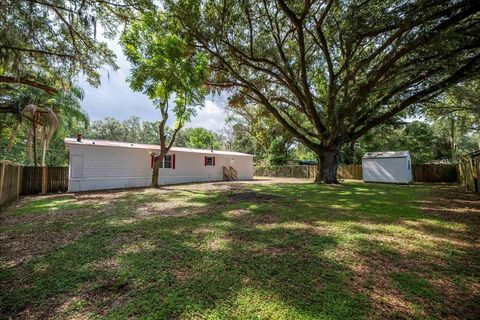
(468, 69)
(28, 82)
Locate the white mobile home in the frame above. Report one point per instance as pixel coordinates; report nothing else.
(387, 167)
(98, 165)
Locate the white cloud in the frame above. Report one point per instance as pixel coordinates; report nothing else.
(212, 116)
(114, 98)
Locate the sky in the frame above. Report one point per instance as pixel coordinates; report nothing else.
(114, 98)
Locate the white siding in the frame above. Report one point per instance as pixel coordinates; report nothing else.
(77, 166)
(116, 167)
(388, 170)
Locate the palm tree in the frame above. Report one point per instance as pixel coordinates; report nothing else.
(44, 114)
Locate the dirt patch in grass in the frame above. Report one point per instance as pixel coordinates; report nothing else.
(20, 248)
(251, 196)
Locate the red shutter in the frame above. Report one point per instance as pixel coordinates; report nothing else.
(173, 164)
(206, 161)
(151, 161)
(214, 161)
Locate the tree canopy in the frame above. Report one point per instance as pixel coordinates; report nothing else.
(41, 120)
(329, 71)
(165, 67)
(44, 43)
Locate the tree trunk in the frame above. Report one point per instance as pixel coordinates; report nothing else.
(34, 141)
(43, 141)
(157, 163)
(452, 139)
(327, 165)
(155, 172)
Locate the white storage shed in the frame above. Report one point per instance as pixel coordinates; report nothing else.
(387, 167)
(99, 165)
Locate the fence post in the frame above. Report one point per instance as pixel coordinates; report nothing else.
(19, 180)
(44, 180)
(2, 175)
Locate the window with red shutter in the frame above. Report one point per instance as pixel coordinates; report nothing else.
(209, 161)
(173, 164)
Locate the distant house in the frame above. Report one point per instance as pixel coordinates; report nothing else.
(440, 161)
(307, 162)
(387, 167)
(98, 165)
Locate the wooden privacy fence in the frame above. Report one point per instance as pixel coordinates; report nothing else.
(17, 180)
(421, 172)
(286, 171)
(435, 173)
(32, 180)
(10, 182)
(44, 179)
(469, 173)
(350, 171)
(57, 179)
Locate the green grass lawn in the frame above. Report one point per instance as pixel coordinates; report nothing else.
(244, 251)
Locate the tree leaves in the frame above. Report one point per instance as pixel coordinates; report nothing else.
(49, 42)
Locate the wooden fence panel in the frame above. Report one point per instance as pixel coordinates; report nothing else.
(10, 181)
(421, 172)
(32, 180)
(57, 179)
(435, 173)
(350, 171)
(469, 173)
(308, 171)
(17, 180)
(284, 171)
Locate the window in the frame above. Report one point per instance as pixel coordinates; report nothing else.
(408, 164)
(209, 161)
(167, 162)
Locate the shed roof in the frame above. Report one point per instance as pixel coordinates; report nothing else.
(116, 144)
(386, 154)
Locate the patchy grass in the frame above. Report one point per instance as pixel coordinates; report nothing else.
(254, 250)
(414, 286)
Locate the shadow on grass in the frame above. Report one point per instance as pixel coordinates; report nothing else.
(207, 256)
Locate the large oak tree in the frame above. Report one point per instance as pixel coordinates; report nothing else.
(330, 70)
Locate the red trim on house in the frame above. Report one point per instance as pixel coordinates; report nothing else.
(173, 160)
(214, 161)
(206, 161)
